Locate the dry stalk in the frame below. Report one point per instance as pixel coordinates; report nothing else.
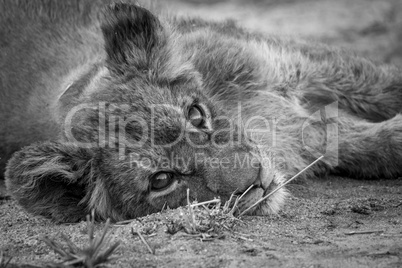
(281, 186)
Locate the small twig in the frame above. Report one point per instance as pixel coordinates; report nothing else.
(191, 213)
(125, 222)
(242, 234)
(281, 186)
(143, 240)
(191, 235)
(164, 206)
(364, 232)
(392, 235)
(226, 206)
(3, 262)
(238, 199)
(244, 238)
(216, 200)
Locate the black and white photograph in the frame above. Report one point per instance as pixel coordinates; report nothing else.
(190, 133)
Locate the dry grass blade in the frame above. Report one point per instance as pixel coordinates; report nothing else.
(90, 227)
(143, 240)
(125, 222)
(364, 232)
(90, 256)
(216, 200)
(191, 219)
(3, 262)
(227, 207)
(232, 211)
(204, 222)
(281, 186)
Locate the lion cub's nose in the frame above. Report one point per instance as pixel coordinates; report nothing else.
(232, 171)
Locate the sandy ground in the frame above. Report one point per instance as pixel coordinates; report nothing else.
(329, 222)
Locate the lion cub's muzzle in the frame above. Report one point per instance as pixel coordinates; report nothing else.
(231, 171)
(241, 173)
(263, 185)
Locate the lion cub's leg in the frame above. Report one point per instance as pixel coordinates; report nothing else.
(351, 145)
(370, 150)
(360, 87)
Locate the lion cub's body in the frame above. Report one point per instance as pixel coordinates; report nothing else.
(55, 59)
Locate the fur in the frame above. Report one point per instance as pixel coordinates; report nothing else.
(97, 104)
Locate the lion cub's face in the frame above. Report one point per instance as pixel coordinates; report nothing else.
(146, 129)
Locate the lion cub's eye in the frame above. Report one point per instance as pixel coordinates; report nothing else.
(196, 116)
(161, 180)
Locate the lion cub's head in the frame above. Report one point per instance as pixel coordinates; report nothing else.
(139, 129)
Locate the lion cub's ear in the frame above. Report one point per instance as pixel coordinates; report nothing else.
(131, 35)
(52, 179)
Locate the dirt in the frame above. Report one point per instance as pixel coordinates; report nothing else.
(331, 222)
(328, 222)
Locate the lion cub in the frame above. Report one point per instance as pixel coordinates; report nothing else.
(123, 112)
